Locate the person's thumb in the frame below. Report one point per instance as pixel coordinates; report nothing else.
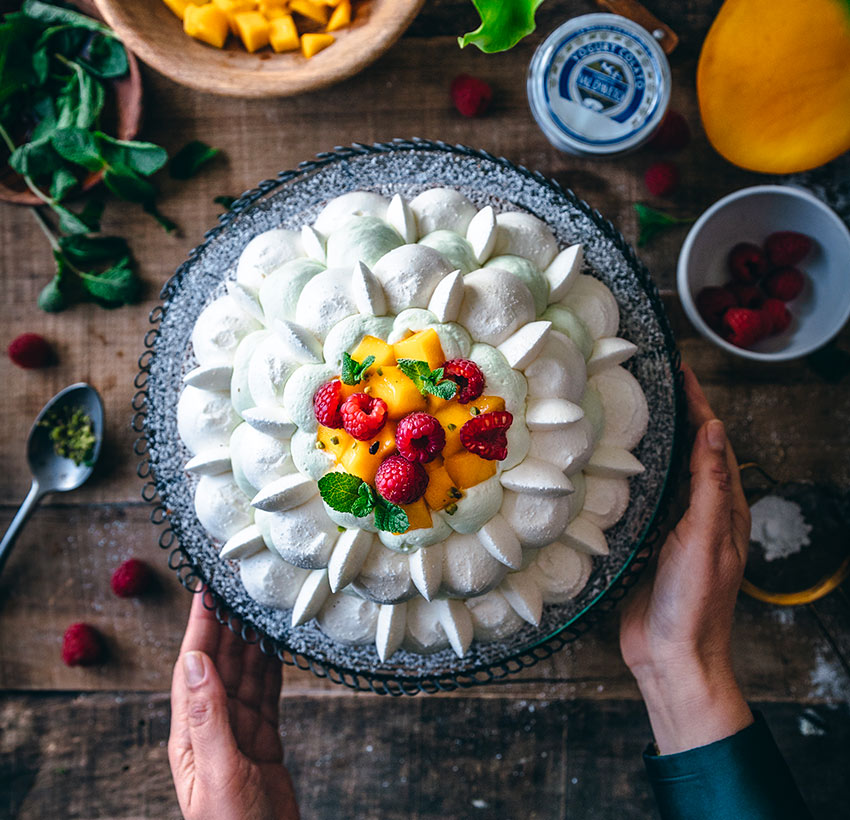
(213, 745)
(709, 515)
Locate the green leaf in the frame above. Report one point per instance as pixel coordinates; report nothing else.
(77, 145)
(80, 106)
(427, 380)
(652, 222)
(365, 501)
(17, 34)
(92, 212)
(225, 201)
(166, 223)
(190, 159)
(117, 285)
(37, 159)
(63, 181)
(144, 158)
(51, 299)
(93, 250)
(69, 222)
(46, 13)
(127, 184)
(44, 110)
(352, 370)
(105, 57)
(390, 517)
(503, 24)
(340, 490)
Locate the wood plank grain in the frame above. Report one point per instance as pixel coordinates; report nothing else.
(425, 758)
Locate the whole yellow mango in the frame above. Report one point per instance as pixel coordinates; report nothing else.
(773, 83)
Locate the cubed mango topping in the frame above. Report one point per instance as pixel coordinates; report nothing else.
(312, 44)
(253, 29)
(467, 469)
(441, 490)
(423, 346)
(340, 17)
(207, 23)
(335, 442)
(283, 35)
(397, 390)
(360, 460)
(372, 346)
(418, 515)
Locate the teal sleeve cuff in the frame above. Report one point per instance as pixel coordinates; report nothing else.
(742, 777)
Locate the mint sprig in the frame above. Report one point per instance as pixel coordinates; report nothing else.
(347, 493)
(352, 370)
(652, 222)
(427, 380)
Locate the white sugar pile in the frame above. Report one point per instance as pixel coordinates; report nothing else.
(779, 526)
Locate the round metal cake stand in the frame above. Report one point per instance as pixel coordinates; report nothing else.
(294, 198)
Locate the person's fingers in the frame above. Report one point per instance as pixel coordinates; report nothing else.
(272, 682)
(699, 410)
(250, 689)
(204, 712)
(708, 518)
(230, 656)
(203, 629)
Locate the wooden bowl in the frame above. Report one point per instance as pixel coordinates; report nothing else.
(156, 36)
(124, 104)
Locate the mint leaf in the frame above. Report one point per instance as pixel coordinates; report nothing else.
(190, 159)
(442, 390)
(340, 490)
(503, 24)
(352, 370)
(390, 517)
(365, 501)
(51, 299)
(652, 222)
(427, 380)
(117, 285)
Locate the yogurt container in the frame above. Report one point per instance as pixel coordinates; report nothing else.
(599, 85)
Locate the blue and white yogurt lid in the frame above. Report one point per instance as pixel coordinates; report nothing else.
(599, 84)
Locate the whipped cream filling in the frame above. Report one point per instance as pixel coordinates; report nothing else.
(496, 289)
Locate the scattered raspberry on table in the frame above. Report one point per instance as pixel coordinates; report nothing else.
(471, 95)
(30, 351)
(83, 645)
(132, 578)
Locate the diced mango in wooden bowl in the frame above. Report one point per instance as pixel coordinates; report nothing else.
(258, 48)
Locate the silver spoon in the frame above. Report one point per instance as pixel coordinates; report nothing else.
(52, 473)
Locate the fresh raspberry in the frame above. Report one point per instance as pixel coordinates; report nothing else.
(131, 579)
(363, 416)
(748, 296)
(785, 284)
(326, 404)
(31, 351)
(468, 377)
(661, 178)
(486, 435)
(777, 313)
(401, 481)
(786, 247)
(747, 263)
(672, 135)
(744, 327)
(82, 646)
(470, 95)
(713, 302)
(420, 437)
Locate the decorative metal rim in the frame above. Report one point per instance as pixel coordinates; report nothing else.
(377, 683)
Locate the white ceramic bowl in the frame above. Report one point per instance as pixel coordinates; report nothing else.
(751, 215)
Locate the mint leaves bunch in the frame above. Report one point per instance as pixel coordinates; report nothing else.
(347, 493)
(352, 370)
(427, 380)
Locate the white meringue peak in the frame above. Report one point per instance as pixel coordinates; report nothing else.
(401, 217)
(426, 570)
(563, 272)
(211, 377)
(536, 477)
(212, 461)
(314, 592)
(481, 234)
(300, 343)
(285, 493)
(349, 553)
(497, 537)
(524, 596)
(583, 535)
(613, 462)
(243, 544)
(447, 296)
(609, 351)
(314, 243)
(522, 347)
(367, 292)
(245, 299)
(551, 414)
(391, 623)
(456, 621)
(273, 421)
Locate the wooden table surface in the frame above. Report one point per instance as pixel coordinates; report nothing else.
(562, 739)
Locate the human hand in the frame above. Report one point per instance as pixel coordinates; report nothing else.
(224, 749)
(676, 626)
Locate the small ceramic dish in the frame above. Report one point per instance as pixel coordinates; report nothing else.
(751, 215)
(156, 36)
